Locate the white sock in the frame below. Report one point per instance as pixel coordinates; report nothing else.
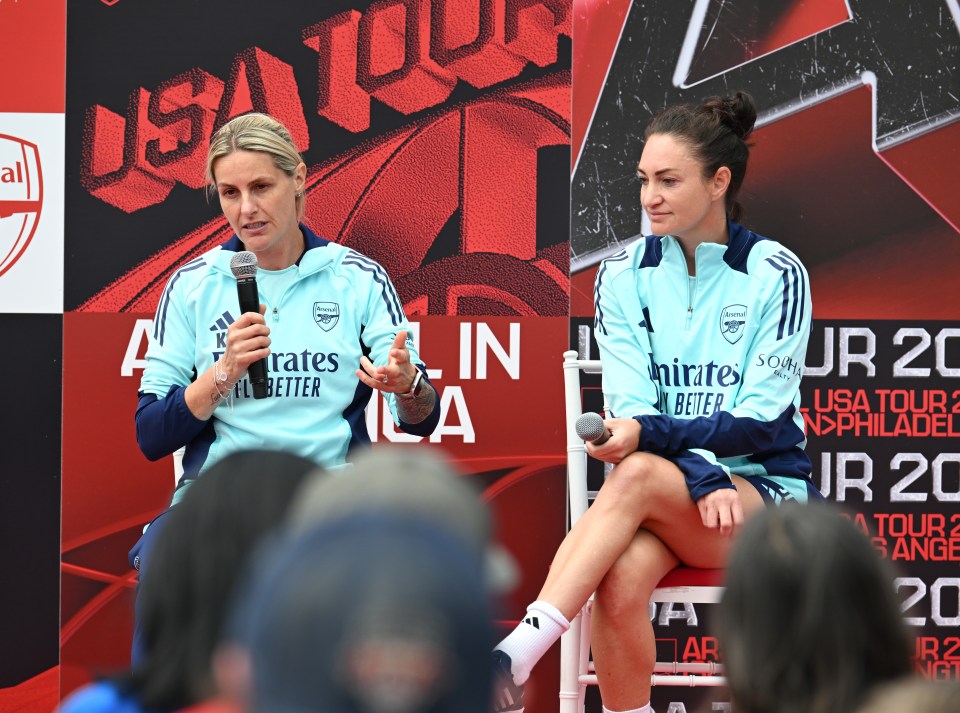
(641, 709)
(533, 637)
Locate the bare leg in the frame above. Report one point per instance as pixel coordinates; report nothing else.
(643, 490)
(622, 635)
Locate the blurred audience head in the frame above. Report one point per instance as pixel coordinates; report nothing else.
(415, 482)
(809, 620)
(915, 695)
(372, 613)
(376, 597)
(197, 559)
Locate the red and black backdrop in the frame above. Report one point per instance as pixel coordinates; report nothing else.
(436, 136)
(852, 167)
(483, 151)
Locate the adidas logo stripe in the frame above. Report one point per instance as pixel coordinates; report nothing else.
(225, 320)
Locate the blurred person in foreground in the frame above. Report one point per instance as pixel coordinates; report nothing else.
(914, 694)
(195, 563)
(417, 483)
(809, 621)
(376, 598)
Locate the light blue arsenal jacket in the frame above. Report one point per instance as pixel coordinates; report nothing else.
(709, 365)
(326, 311)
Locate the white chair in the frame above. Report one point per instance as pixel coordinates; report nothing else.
(684, 584)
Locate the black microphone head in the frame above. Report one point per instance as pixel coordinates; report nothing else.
(244, 264)
(589, 426)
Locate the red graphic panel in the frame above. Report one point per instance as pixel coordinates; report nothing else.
(858, 237)
(878, 229)
(478, 161)
(33, 38)
(596, 27)
(802, 19)
(109, 492)
(431, 148)
(39, 694)
(112, 168)
(394, 63)
(133, 162)
(499, 381)
(410, 54)
(927, 164)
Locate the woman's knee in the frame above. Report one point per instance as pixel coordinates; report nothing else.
(642, 478)
(620, 596)
(624, 591)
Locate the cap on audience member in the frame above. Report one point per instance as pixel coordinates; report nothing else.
(417, 482)
(377, 613)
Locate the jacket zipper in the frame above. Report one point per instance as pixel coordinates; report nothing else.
(690, 292)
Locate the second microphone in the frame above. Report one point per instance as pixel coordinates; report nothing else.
(590, 427)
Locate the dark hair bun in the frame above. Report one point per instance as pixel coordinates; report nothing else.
(737, 111)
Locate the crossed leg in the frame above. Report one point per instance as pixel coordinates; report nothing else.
(621, 636)
(641, 525)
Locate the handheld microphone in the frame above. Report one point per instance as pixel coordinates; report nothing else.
(244, 265)
(590, 428)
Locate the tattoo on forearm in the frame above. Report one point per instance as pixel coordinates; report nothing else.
(416, 410)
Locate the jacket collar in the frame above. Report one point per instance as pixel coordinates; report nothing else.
(312, 259)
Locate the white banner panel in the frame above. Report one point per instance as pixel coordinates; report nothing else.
(31, 212)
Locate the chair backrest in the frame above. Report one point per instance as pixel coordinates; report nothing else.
(573, 368)
(579, 496)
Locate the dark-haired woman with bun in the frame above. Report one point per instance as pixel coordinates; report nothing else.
(703, 329)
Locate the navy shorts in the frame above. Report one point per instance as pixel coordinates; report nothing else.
(777, 489)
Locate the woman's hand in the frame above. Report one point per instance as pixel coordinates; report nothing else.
(624, 440)
(397, 376)
(721, 509)
(248, 340)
